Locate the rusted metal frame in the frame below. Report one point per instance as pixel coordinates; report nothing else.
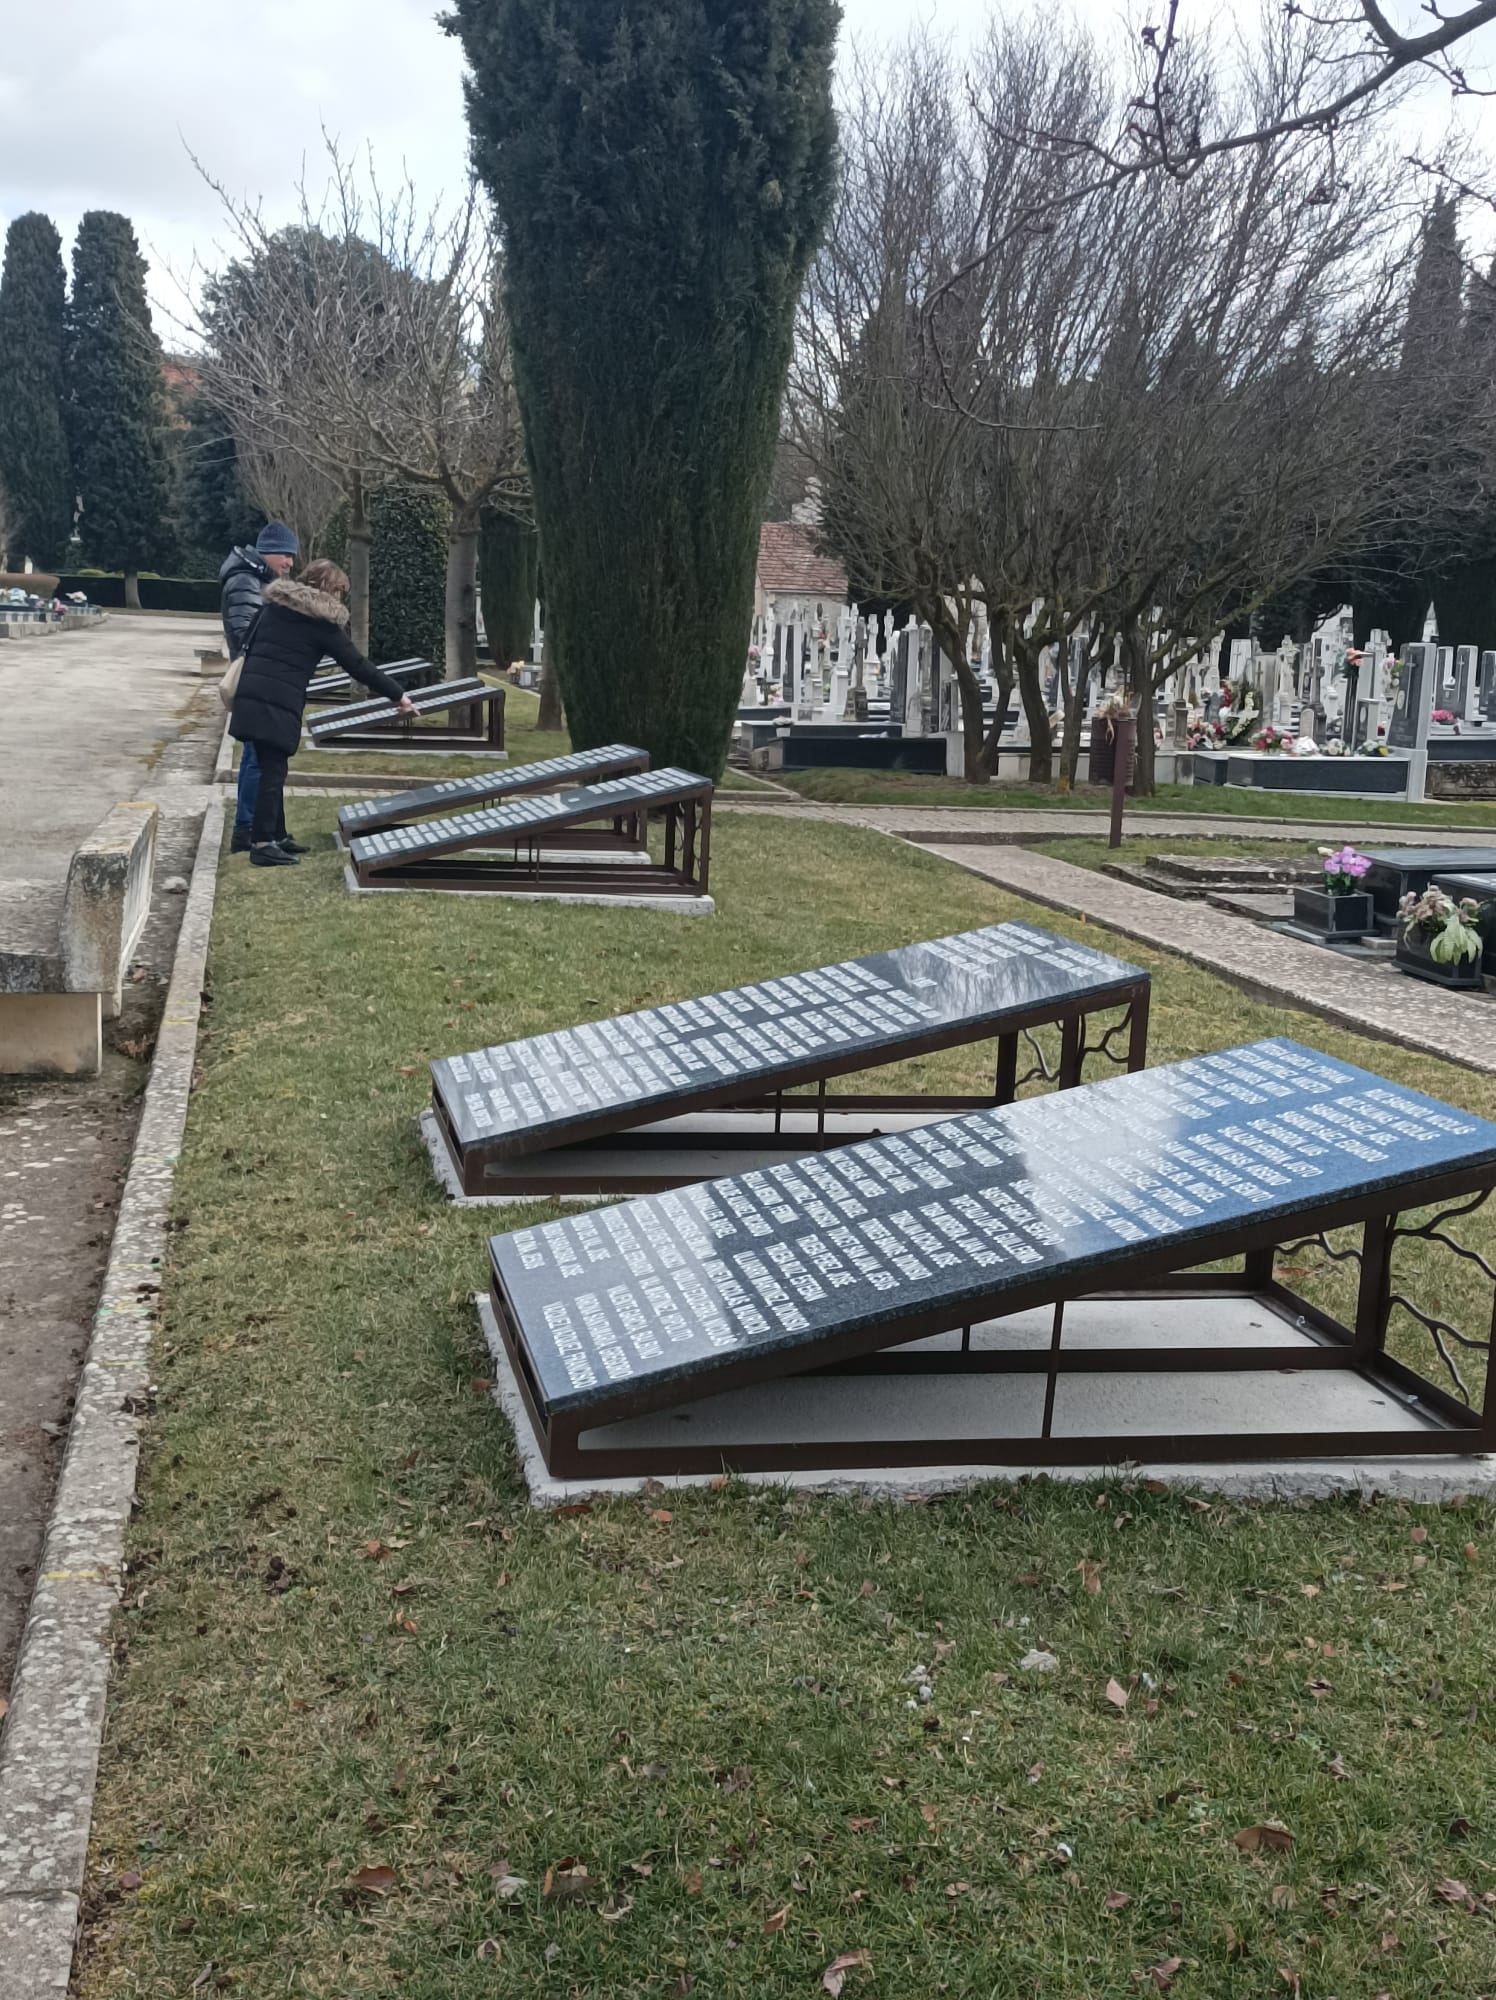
(773, 1087)
(541, 877)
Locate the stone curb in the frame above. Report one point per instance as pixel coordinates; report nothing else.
(49, 1752)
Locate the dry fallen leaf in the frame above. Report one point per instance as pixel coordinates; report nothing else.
(1451, 1891)
(617, 1910)
(375, 1879)
(691, 1877)
(568, 1881)
(661, 1515)
(1116, 1694)
(1319, 1689)
(1162, 1974)
(862, 1825)
(131, 1879)
(1419, 1535)
(835, 1975)
(1270, 1833)
(775, 1924)
(489, 1948)
(1090, 1576)
(927, 1814)
(1115, 1899)
(508, 1887)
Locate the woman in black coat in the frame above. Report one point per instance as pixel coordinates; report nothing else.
(299, 623)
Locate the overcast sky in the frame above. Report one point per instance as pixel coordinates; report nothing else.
(100, 109)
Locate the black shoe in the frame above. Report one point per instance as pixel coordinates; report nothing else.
(289, 846)
(240, 843)
(266, 854)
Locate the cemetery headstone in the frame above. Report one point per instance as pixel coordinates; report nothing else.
(1487, 682)
(1467, 683)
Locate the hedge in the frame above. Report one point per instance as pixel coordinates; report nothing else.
(157, 593)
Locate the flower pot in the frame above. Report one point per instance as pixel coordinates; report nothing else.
(1350, 915)
(1412, 957)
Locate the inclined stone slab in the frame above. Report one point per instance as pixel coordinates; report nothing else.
(658, 1294)
(369, 815)
(519, 1097)
(534, 813)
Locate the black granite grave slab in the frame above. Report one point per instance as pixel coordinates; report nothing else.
(1401, 871)
(485, 788)
(1482, 888)
(1359, 777)
(829, 1260)
(467, 850)
(332, 687)
(498, 1108)
(338, 722)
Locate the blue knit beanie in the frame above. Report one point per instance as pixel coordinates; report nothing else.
(275, 539)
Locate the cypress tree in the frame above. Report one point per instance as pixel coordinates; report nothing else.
(34, 467)
(115, 402)
(662, 170)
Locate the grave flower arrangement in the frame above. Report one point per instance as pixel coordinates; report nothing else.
(1272, 739)
(1442, 715)
(1204, 736)
(1303, 746)
(1344, 868)
(1444, 928)
(1374, 746)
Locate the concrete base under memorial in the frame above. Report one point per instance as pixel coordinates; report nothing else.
(399, 747)
(687, 906)
(948, 1409)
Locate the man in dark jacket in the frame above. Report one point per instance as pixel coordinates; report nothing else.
(244, 577)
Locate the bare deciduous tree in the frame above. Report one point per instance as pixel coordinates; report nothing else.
(368, 340)
(1124, 421)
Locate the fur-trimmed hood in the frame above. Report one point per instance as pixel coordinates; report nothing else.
(308, 603)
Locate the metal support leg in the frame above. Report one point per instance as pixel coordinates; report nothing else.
(1072, 1038)
(1005, 1088)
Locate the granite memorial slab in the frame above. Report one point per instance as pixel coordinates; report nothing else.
(475, 721)
(333, 687)
(1396, 872)
(1487, 682)
(536, 1113)
(1482, 889)
(836, 1261)
(510, 848)
(612, 760)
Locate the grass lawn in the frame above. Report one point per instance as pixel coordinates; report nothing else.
(899, 788)
(371, 1713)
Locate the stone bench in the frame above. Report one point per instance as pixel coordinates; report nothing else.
(65, 948)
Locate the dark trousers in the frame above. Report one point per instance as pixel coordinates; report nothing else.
(269, 818)
(249, 785)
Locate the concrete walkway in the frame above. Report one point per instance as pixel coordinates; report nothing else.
(1000, 826)
(89, 717)
(1369, 999)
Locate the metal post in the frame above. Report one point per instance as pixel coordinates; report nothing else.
(1126, 751)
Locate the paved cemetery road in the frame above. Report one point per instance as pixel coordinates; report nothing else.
(89, 718)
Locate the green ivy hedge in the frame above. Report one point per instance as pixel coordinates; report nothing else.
(407, 571)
